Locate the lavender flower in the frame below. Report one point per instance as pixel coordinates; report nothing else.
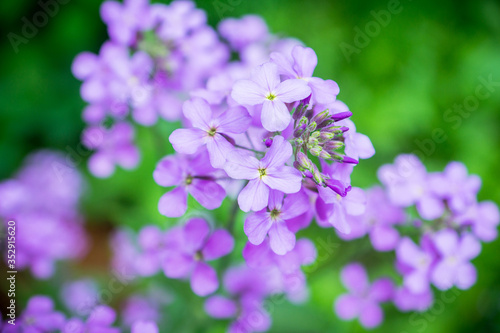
(100, 320)
(265, 88)
(416, 263)
(189, 249)
(114, 146)
(453, 266)
(268, 173)
(273, 221)
(209, 130)
(363, 299)
(193, 175)
(144, 327)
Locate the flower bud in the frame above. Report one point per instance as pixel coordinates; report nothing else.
(315, 134)
(315, 151)
(321, 117)
(350, 160)
(317, 177)
(268, 142)
(326, 136)
(341, 115)
(337, 187)
(312, 141)
(312, 126)
(300, 110)
(303, 160)
(325, 155)
(333, 145)
(299, 142)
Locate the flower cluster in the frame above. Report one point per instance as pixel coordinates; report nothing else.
(42, 200)
(259, 134)
(434, 247)
(40, 316)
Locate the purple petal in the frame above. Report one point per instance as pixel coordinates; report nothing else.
(218, 148)
(382, 290)
(248, 92)
(469, 248)
(446, 241)
(168, 172)
(466, 276)
(275, 115)
(195, 232)
(187, 140)
(198, 112)
(220, 307)
(178, 265)
(102, 315)
(443, 275)
(257, 226)
(284, 64)
(204, 279)
(144, 327)
(305, 60)
(285, 179)
(323, 91)
(292, 90)
(355, 202)
(281, 239)
(430, 208)
(364, 146)
(281, 150)
(295, 204)
(371, 315)
(254, 196)
(84, 65)
(266, 76)
(219, 244)
(173, 203)
(208, 193)
(354, 278)
(384, 238)
(348, 307)
(235, 120)
(241, 166)
(101, 165)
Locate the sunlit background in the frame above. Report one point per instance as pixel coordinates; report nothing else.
(418, 83)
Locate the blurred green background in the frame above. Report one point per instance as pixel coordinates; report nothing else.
(408, 82)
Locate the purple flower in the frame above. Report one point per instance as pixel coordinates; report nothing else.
(272, 221)
(378, 221)
(284, 270)
(189, 249)
(100, 320)
(335, 210)
(243, 32)
(483, 217)
(80, 296)
(177, 20)
(193, 175)
(144, 327)
(363, 299)
(38, 316)
(407, 184)
(406, 301)
(126, 20)
(456, 186)
(416, 263)
(268, 173)
(300, 64)
(139, 308)
(113, 147)
(209, 130)
(357, 145)
(265, 88)
(453, 266)
(247, 288)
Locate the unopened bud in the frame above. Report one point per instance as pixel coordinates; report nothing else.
(341, 115)
(300, 111)
(315, 134)
(326, 136)
(312, 126)
(303, 160)
(321, 117)
(268, 142)
(317, 177)
(333, 145)
(315, 151)
(350, 160)
(299, 142)
(325, 155)
(312, 141)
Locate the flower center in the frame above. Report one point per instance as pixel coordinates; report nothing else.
(262, 173)
(270, 96)
(198, 256)
(275, 213)
(212, 131)
(189, 180)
